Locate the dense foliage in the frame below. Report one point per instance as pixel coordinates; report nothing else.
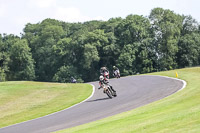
(55, 51)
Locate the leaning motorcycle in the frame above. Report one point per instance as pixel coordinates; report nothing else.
(116, 74)
(108, 90)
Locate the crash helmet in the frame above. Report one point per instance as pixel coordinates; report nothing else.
(101, 78)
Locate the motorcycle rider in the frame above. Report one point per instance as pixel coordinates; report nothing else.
(73, 80)
(115, 71)
(104, 72)
(102, 81)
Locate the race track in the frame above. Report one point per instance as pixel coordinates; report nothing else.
(133, 92)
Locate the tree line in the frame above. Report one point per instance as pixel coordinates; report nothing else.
(54, 50)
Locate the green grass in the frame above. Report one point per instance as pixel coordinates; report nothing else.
(178, 113)
(23, 100)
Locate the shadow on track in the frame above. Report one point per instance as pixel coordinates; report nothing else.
(98, 99)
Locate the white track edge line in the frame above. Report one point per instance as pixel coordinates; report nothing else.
(184, 82)
(93, 90)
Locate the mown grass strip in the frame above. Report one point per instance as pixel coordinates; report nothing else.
(23, 100)
(178, 113)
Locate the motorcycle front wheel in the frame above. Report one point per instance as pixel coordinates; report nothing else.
(109, 93)
(113, 93)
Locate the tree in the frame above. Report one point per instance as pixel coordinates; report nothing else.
(21, 64)
(126, 59)
(65, 73)
(90, 56)
(144, 56)
(190, 25)
(189, 50)
(132, 29)
(167, 28)
(42, 39)
(6, 42)
(4, 59)
(111, 51)
(134, 35)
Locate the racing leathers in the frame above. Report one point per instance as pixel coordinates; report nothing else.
(105, 82)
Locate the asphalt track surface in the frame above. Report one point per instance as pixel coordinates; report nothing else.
(132, 92)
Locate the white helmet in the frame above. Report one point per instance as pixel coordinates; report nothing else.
(101, 78)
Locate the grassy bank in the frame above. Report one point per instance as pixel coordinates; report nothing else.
(22, 100)
(178, 113)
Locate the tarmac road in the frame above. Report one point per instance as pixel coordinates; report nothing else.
(132, 92)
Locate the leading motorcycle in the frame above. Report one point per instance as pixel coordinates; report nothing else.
(108, 90)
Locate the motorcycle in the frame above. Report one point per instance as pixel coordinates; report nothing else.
(109, 90)
(116, 74)
(73, 80)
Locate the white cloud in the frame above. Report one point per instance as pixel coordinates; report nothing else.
(2, 10)
(72, 14)
(22, 20)
(42, 3)
(99, 18)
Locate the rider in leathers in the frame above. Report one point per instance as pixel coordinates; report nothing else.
(104, 71)
(102, 81)
(114, 70)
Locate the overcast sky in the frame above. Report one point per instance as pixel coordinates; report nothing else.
(15, 14)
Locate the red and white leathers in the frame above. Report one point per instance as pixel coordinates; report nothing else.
(106, 75)
(103, 82)
(104, 71)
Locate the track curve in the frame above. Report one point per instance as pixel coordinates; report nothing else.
(133, 92)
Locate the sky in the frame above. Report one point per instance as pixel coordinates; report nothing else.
(15, 14)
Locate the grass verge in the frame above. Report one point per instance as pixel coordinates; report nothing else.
(23, 100)
(178, 113)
